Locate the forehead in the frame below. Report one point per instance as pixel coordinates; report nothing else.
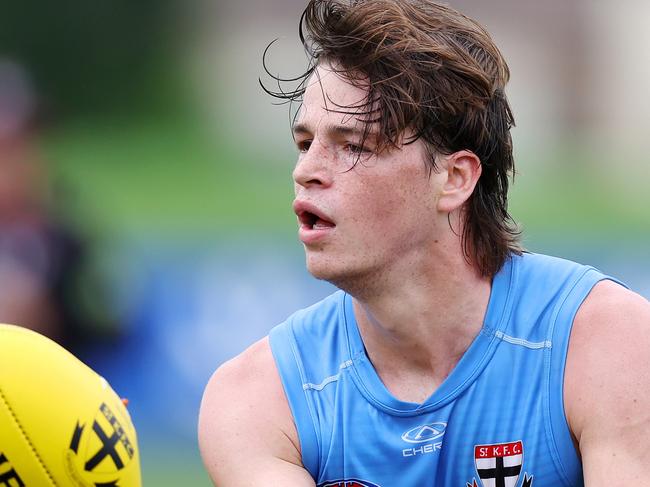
(330, 97)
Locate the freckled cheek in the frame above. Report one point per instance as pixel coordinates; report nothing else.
(377, 211)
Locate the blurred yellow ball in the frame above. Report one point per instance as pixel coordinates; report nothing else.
(61, 424)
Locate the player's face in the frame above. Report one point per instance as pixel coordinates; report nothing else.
(358, 221)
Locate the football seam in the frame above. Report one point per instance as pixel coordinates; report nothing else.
(24, 433)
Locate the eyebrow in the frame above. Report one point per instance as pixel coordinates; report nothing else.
(303, 129)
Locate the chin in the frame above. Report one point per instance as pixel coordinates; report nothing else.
(345, 277)
(321, 269)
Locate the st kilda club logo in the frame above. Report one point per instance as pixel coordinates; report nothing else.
(499, 465)
(99, 450)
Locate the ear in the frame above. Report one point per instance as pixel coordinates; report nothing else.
(463, 168)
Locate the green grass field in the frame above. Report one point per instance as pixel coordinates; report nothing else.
(165, 464)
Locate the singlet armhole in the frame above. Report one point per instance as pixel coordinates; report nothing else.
(562, 447)
(287, 360)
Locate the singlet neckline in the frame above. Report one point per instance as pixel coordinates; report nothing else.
(473, 361)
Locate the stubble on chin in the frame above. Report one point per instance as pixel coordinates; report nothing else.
(355, 281)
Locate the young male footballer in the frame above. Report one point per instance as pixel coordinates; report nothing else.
(449, 357)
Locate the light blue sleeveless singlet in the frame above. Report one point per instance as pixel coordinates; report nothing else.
(496, 421)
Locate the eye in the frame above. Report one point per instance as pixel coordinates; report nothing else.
(303, 145)
(357, 149)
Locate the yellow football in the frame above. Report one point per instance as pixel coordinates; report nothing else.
(61, 424)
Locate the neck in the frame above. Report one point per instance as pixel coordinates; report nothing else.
(417, 325)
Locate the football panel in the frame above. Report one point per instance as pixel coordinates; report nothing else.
(19, 463)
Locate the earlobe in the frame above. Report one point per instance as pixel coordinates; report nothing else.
(463, 168)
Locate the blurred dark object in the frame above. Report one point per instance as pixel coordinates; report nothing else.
(43, 261)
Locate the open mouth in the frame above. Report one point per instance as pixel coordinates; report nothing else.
(314, 221)
(311, 217)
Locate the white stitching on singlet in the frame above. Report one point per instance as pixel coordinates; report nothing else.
(327, 380)
(522, 342)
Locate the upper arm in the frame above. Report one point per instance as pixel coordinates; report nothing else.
(607, 385)
(246, 433)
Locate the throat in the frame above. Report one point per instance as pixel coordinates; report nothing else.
(410, 383)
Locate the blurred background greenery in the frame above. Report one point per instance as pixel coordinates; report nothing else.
(159, 147)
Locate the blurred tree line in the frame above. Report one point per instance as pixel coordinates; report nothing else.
(91, 57)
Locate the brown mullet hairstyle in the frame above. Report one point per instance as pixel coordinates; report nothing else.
(435, 72)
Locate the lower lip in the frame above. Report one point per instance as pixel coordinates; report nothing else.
(309, 235)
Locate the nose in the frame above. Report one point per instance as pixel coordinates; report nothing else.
(312, 167)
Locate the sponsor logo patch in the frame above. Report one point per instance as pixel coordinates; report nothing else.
(424, 438)
(425, 433)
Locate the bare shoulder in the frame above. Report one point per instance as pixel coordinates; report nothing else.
(607, 381)
(246, 431)
(608, 351)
